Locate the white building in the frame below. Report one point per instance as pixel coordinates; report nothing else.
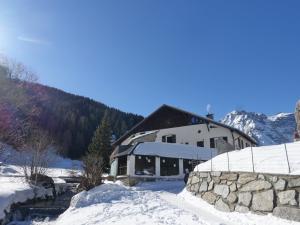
(171, 140)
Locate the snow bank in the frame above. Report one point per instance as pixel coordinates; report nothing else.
(267, 159)
(115, 204)
(14, 190)
(148, 204)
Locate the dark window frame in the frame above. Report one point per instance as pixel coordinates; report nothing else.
(167, 166)
(212, 143)
(200, 144)
(143, 166)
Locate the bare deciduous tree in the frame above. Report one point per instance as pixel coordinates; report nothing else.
(93, 166)
(17, 71)
(36, 158)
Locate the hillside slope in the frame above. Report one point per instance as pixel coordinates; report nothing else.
(70, 120)
(266, 130)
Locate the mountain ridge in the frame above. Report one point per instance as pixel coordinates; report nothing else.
(68, 119)
(266, 130)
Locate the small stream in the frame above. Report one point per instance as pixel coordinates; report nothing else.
(27, 213)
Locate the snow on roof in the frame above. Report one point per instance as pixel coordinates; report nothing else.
(142, 134)
(267, 159)
(137, 136)
(174, 151)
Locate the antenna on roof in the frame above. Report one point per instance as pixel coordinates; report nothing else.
(209, 115)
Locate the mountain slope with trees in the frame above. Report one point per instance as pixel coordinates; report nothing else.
(68, 119)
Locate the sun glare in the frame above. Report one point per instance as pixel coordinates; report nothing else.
(4, 40)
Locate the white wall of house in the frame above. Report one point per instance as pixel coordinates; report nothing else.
(193, 133)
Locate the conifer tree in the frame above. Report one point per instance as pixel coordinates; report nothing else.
(101, 141)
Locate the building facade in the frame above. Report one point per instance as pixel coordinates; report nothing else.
(173, 140)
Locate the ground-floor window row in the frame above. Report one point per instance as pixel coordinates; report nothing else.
(146, 165)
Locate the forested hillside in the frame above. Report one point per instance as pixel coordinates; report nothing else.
(69, 120)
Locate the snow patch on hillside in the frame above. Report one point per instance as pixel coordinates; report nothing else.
(11, 162)
(266, 130)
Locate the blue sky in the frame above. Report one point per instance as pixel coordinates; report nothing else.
(138, 54)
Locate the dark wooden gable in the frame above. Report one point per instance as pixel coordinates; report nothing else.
(164, 117)
(167, 117)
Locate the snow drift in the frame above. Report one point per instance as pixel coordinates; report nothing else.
(267, 159)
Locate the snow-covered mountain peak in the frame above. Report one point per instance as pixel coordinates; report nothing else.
(266, 130)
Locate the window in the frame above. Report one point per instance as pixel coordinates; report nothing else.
(144, 165)
(169, 166)
(190, 164)
(239, 143)
(171, 139)
(247, 145)
(199, 131)
(212, 143)
(186, 143)
(225, 139)
(242, 144)
(200, 143)
(122, 165)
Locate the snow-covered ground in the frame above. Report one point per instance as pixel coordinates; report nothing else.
(14, 189)
(165, 202)
(11, 160)
(267, 159)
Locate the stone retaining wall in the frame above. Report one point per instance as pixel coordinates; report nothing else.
(244, 192)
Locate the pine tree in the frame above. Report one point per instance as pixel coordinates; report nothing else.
(101, 141)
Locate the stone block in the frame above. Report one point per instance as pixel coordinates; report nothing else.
(263, 201)
(209, 197)
(256, 185)
(280, 185)
(216, 174)
(273, 179)
(221, 189)
(210, 186)
(287, 213)
(195, 187)
(203, 187)
(203, 175)
(233, 187)
(195, 179)
(222, 206)
(246, 177)
(232, 198)
(216, 180)
(245, 198)
(229, 176)
(208, 178)
(241, 209)
(287, 197)
(294, 182)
